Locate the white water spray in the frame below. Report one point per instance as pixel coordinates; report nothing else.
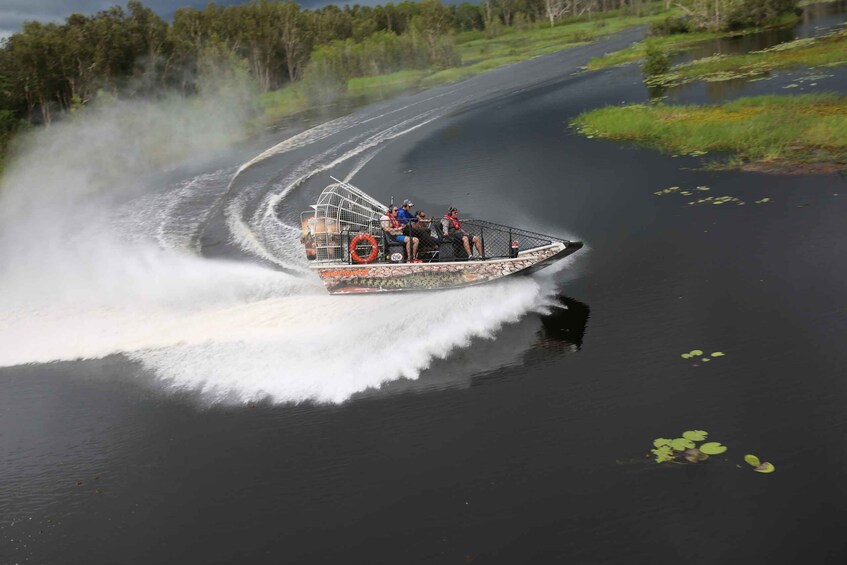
(97, 260)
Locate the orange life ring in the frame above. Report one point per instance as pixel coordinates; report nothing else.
(354, 254)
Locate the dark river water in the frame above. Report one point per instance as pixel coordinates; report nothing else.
(230, 412)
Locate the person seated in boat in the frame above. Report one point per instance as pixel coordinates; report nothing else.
(405, 216)
(420, 229)
(451, 229)
(394, 230)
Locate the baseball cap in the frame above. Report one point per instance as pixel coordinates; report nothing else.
(408, 203)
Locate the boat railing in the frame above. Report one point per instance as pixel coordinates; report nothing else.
(496, 240)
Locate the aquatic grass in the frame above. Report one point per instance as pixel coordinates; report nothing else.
(279, 104)
(667, 43)
(675, 43)
(543, 39)
(385, 85)
(799, 128)
(825, 51)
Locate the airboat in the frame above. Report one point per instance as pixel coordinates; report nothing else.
(352, 254)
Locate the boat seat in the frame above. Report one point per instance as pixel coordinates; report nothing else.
(451, 250)
(392, 246)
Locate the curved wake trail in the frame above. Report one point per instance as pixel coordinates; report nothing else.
(94, 264)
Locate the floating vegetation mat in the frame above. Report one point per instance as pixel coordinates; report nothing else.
(713, 200)
(684, 450)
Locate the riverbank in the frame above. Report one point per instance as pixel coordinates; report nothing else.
(676, 43)
(804, 133)
(479, 54)
(826, 51)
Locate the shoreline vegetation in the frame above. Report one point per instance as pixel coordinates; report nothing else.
(477, 54)
(280, 59)
(826, 51)
(677, 43)
(776, 133)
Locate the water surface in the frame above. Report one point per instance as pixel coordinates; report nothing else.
(519, 432)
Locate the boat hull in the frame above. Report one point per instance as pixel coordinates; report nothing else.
(415, 277)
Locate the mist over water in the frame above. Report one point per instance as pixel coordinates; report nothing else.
(101, 257)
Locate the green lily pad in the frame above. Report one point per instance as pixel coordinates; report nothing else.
(717, 354)
(663, 453)
(681, 444)
(659, 442)
(685, 356)
(695, 435)
(752, 460)
(712, 448)
(703, 188)
(765, 468)
(695, 353)
(705, 359)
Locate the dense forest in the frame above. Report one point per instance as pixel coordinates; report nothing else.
(48, 70)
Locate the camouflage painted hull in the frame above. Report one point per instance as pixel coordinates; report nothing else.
(395, 277)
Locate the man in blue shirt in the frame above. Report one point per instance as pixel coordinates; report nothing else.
(404, 215)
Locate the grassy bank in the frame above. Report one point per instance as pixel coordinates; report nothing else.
(479, 54)
(782, 131)
(673, 44)
(826, 51)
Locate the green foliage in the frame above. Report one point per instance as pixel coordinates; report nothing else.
(804, 128)
(681, 444)
(656, 61)
(759, 466)
(296, 58)
(671, 26)
(684, 448)
(712, 448)
(669, 450)
(718, 15)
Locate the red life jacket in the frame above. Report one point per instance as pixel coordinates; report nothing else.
(456, 225)
(395, 223)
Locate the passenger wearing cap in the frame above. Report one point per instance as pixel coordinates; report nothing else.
(451, 228)
(405, 213)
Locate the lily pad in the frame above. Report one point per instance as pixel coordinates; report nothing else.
(681, 444)
(752, 460)
(712, 448)
(663, 453)
(659, 442)
(685, 356)
(703, 188)
(718, 354)
(765, 468)
(695, 435)
(705, 359)
(695, 353)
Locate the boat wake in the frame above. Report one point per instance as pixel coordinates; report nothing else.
(101, 255)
